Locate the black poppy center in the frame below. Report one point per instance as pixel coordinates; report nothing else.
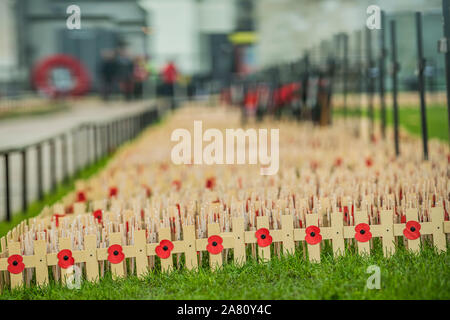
(116, 253)
(362, 231)
(66, 258)
(412, 229)
(312, 234)
(15, 263)
(263, 236)
(165, 248)
(214, 243)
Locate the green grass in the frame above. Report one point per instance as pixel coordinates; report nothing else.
(403, 276)
(409, 119)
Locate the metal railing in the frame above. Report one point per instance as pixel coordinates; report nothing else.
(89, 142)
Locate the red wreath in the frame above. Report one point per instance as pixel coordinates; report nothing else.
(65, 258)
(115, 254)
(15, 264)
(42, 71)
(313, 235)
(264, 237)
(215, 244)
(164, 249)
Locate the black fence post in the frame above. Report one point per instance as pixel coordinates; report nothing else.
(446, 14)
(75, 151)
(382, 68)
(95, 137)
(7, 190)
(88, 145)
(39, 172)
(394, 70)
(24, 181)
(421, 78)
(64, 158)
(52, 165)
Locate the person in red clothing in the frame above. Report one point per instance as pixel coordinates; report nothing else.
(169, 77)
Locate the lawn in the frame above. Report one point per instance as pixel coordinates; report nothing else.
(404, 276)
(409, 119)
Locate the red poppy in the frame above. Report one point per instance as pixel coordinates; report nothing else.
(57, 216)
(177, 184)
(210, 183)
(264, 237)
(112, 192)
(369, 162)
(164, 249)
(148, 191)
(337, 162)
(363, 233)
(81, 196)
(15, 264)
(115, 254)
(215, 244)
(65, 258)
(313, 235)
(412, 230)
(98, 215)
(69, 209)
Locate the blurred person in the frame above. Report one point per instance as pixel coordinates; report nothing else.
(108, 73)
(169, 76)
(125, 74)
(140, 75)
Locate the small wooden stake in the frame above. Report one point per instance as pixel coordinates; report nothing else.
(215, 260)
(40, 262)
(313, 250)
(166, 264)
(413, 215)
(239, 241)
(361, 217)
(263, 252)
(287, 225)
(117, 269)
(16, 279)
(337, 233)
(190, 250)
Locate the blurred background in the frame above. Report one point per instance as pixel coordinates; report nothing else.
(69, 96)
(205, 39)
